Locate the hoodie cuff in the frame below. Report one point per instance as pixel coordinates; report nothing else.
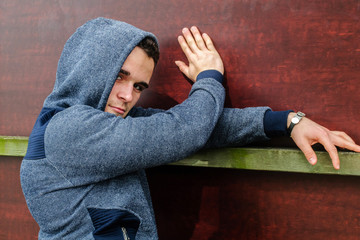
(275, 123)
(210, 74)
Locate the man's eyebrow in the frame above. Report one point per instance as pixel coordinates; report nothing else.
(126, 73)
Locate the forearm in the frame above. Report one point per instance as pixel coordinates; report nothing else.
(238, 127)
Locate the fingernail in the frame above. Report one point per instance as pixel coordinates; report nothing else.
(312, 160)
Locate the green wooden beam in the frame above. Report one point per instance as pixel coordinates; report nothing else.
(265, 159)
(273, 159)
(13, 146)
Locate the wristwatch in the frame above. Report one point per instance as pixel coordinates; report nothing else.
(295, 120)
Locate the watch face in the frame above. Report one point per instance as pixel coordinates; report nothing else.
(295, 120)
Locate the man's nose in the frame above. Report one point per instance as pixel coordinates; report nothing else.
(125, 92)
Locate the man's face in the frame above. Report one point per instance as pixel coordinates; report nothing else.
(133, 78)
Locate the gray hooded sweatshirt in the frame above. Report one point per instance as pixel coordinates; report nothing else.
(83, 176)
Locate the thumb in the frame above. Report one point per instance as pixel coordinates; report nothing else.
(183, 67)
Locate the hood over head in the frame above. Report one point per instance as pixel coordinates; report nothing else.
(91, 61)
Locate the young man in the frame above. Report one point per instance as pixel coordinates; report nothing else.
(83, 175)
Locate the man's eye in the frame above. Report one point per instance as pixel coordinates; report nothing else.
(139, 87)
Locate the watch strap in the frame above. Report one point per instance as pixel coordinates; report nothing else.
(297, 118)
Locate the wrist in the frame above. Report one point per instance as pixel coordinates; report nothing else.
(290, 116)
(275, 123)
(294, 120)
(211, 73)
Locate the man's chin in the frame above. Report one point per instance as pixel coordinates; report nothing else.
(122, 115)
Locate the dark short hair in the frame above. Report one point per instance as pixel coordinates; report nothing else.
(150, 46)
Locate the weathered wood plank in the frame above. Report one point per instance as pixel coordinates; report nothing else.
(13, 146)
(266, 159)
(273, 159)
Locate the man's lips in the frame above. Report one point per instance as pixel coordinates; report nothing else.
(117, 109)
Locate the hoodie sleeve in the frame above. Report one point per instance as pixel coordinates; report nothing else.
(89, 145)
(235, 127)
(238, 127)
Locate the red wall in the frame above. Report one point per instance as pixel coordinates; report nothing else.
(218, 204)
(298, 54)
(303, 55)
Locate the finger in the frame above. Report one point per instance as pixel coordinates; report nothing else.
(342, 142)
(331, 149)
(190, 40)
(184, 46)
(208, 42)
(198, 38)
(183, 67)
(343, 135)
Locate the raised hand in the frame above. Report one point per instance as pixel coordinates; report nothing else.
(200, 53)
